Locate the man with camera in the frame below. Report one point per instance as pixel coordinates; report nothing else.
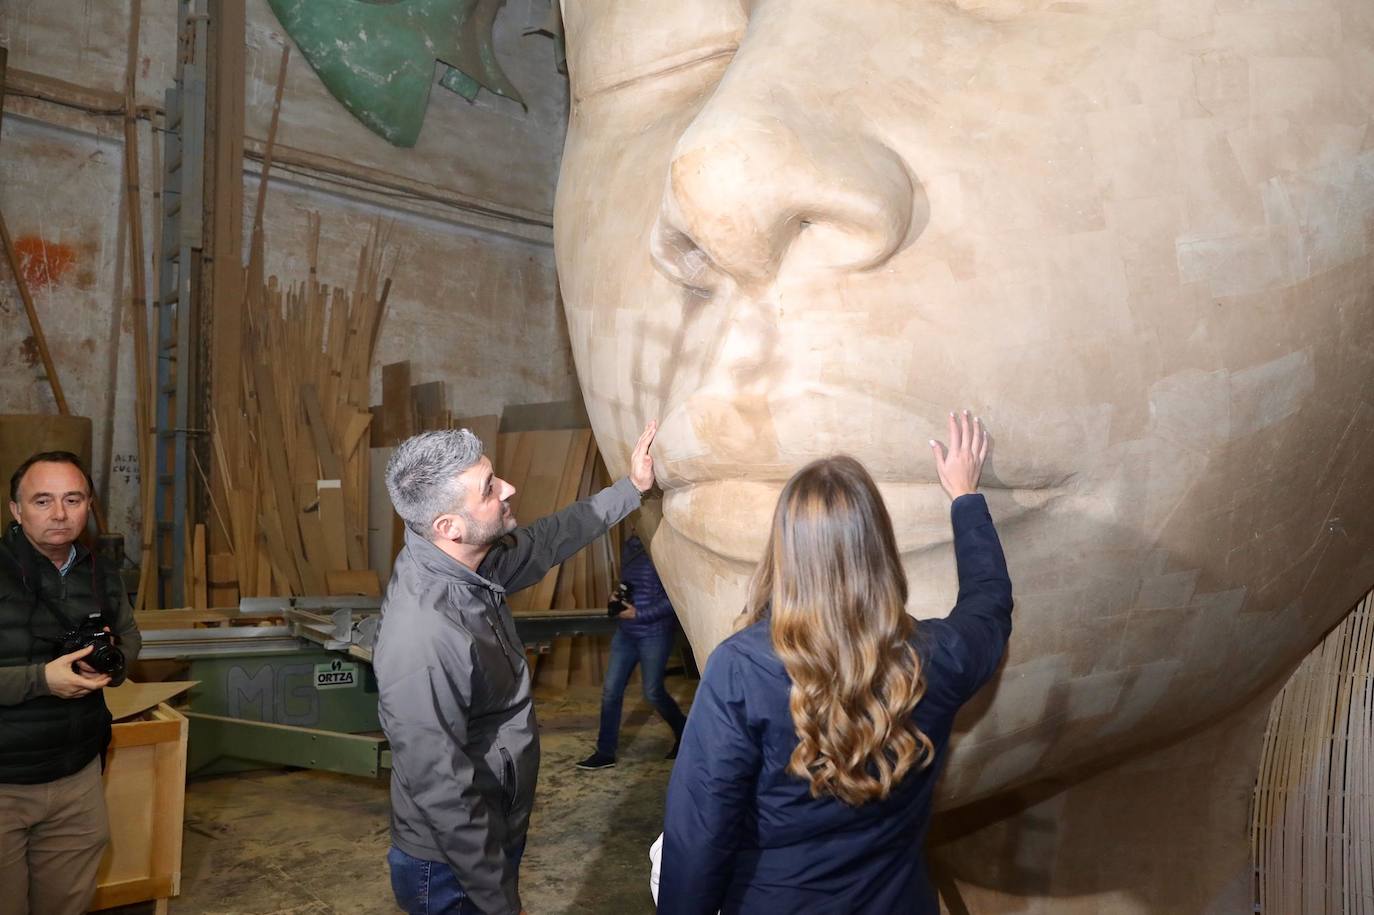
(646, 631)
(66, 632)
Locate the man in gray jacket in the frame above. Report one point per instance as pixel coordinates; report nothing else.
(454, 686)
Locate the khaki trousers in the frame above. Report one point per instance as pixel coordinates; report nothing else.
(52, 837)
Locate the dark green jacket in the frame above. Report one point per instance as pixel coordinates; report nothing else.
(43, 737)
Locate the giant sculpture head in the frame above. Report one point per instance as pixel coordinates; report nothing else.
(1134, 235)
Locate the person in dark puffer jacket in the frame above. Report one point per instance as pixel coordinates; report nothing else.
(54, 725)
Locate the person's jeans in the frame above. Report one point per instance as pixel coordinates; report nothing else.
(430, 887)
(651, 654)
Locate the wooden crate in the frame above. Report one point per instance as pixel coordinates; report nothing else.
(145, 790)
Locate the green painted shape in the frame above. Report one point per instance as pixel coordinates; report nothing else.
(459, 82)
(378, 58)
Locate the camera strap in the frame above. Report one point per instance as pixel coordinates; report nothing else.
(28, 577)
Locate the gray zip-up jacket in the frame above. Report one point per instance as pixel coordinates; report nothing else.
(454, 695)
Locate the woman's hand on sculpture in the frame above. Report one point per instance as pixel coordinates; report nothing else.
(960, 466)
(641, 464)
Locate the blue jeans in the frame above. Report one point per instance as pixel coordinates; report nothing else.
(651, 654)
(430, 887)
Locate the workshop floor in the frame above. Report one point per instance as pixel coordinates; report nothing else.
(308, 843)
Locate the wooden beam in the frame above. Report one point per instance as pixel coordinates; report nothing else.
(327, 165)
(222, 294)
(331, 467)
(138, 306)
(255, 254)
(22, 83)
(39, 337)
(398, 408)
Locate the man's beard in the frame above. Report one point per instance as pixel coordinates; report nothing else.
(479, 534)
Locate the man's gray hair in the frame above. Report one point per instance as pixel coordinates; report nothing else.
(422, 476)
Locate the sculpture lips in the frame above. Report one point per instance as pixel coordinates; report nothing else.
(731, 518)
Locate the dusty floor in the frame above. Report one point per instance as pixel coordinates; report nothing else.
(307, 843)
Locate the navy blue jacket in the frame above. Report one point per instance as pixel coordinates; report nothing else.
(742, 835)
(653, 610)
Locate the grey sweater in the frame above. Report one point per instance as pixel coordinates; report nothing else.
(454, 696)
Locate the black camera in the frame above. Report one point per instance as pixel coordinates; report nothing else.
(104, 658)
(619, 597)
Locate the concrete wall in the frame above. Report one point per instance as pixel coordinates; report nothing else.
(473, 300)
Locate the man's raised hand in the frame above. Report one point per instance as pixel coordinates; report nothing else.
(641, 464)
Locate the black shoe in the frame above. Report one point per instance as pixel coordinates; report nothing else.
(677, 745)
(597, 761)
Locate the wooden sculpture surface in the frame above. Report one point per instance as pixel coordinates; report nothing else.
(1134, 235)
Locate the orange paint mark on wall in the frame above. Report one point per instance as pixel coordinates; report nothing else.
(43, 263)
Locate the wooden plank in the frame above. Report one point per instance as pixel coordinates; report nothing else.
(224, 595)
(284, 509)
(330, 464)
(550, 452)
(517, 452)
(223, 291)
(143, 734)
(398, 410)
(361, 582)
(169, 802)
(128, 892)
(255, 256)
(24, 84)
(358, 423)
(486, 427)
(199, 575)
(36, 326)
(312, 536)
(220, 569)
(179, 619)
(301, 455)
(551, 416)
(582, 583)
(430, 403)
(378, 432)
(331, 517)
(130, 699)
(574, 456)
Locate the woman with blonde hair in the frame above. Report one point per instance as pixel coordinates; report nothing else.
(805, 775)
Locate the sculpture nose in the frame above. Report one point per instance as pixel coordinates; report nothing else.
(743, 187)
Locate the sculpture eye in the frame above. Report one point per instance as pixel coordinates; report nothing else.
(614, 44)
(998, 10)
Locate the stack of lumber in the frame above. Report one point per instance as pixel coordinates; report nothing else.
(550, 470)
(407, 409)
(292, 453)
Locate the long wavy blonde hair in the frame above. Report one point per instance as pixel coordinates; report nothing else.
(834, 589)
